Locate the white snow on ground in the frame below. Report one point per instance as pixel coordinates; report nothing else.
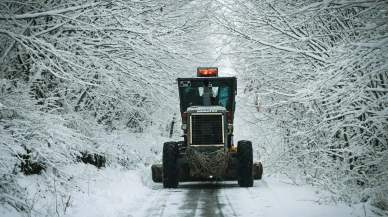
(111, 192)
(119, 192)
(269, 197)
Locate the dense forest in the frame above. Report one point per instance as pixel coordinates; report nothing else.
(75, 72)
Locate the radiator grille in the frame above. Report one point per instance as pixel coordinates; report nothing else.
(206, 129)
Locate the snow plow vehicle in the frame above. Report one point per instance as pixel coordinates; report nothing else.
(207, 152)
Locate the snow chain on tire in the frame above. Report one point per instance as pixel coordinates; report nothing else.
(208, 164)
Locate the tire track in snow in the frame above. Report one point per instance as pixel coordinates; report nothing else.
(269, 202)
(158, 205)
(268, 197)
(202, 199)
(190, 204)
(225, 199)
(219, 205)
(209, 202)
(265, 184)
(230, 205)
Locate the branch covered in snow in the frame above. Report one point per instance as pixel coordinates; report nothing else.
(318, 70)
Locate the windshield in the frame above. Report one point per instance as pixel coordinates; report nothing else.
(207, 92)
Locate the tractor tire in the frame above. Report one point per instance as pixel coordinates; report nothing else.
(245, 163)
(170, 175)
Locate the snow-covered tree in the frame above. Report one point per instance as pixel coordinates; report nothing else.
(72, 71)
(319, 71)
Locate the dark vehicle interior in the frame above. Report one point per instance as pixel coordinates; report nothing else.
(207, 92)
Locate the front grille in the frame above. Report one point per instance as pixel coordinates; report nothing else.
(206, 129)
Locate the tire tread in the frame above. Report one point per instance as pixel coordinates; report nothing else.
(245, 169)
(170, 176)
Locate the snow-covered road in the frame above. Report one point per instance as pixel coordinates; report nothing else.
(269, 197)
(131, 193)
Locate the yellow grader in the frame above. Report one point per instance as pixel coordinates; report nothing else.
(207, 152)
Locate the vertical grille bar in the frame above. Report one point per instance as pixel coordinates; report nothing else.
(207, 129)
